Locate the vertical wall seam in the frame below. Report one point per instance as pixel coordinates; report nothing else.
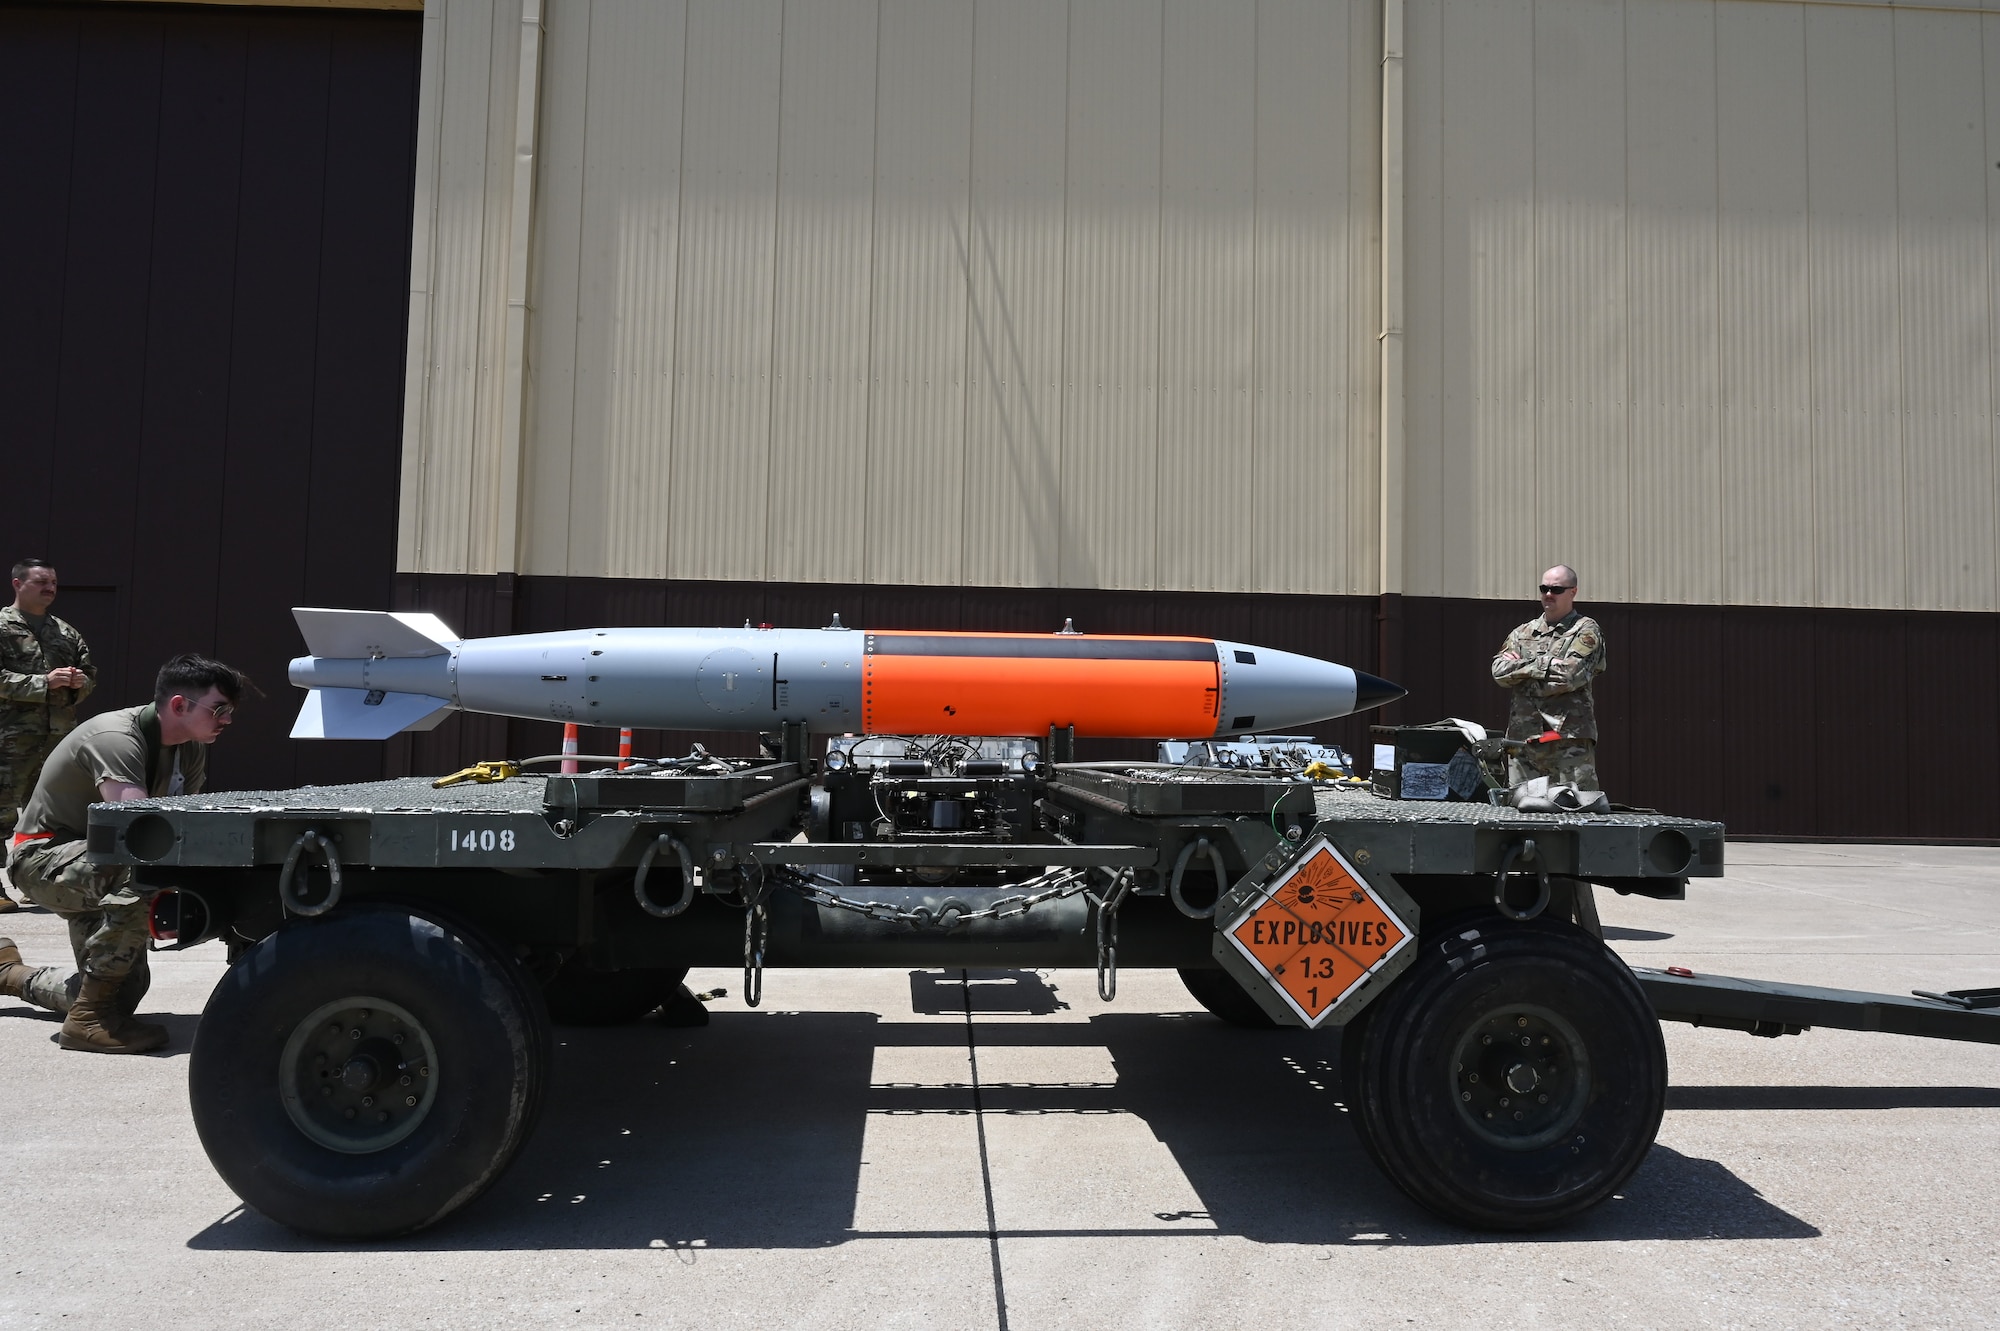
(1152, 582)
(319, 285)
(1722, 588)
(868, 376)
(680, 269)
(1986, 250)
(1625, 239)
(1062, 317)
(1907, 597)
(1812, 328)
(576, 278)
(771, 346)
(965, 356)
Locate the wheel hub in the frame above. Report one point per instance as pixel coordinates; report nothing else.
(1521, 1077)
(358, 1075)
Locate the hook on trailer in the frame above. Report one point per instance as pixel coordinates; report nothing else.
(1199, 846)
(309, 842)
(1107, 935)
(755, 932)
(665, 841)
(1524, 850)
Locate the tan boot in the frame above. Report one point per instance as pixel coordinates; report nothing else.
(13, 971)
(94, 1026)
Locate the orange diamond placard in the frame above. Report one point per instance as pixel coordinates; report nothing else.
(1318, 931)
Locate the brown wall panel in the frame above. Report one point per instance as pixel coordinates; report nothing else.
(1670, 658)
(38, 71)
(1951, 690)
(1772, 724)
(201, 343)
(1862, 756)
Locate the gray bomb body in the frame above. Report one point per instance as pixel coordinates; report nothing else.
(373, 674)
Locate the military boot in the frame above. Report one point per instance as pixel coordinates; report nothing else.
(13, 971)
(48, 987)
(94, 1025)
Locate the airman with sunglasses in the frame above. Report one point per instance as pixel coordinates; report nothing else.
(1547, 665)
(133, 754)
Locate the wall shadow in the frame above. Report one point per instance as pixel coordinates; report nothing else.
(749, 1133)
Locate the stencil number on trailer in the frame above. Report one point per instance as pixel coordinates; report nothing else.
(475, 841)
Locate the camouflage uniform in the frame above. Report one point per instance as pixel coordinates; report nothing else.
(33, 716)
(105, 911)
(1550, 687)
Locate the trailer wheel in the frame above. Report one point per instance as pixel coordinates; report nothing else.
(1512, 1078)
(1216, 989)
(580, 996)
(366, 1074)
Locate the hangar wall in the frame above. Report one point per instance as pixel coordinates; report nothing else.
(1702, 298)
(980, 292)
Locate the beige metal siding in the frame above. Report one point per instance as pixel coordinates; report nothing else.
(947, 291)
(1673, 472)
(1736, 257)
(451, 481)
(825, 215)
(1948, 449)
(1015, 261)
(915, 457)
(1208, 183)
(1762, 284)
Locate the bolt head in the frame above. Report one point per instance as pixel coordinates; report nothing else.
(411, 1100)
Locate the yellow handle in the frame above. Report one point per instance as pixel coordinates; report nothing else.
(484, 774)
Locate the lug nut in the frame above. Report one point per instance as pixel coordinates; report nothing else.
(354, 1034)
(368, 1101)
(411, 1100)
(349, 1112)
(325, 1092)
(383, 1116)
(1518, 1021)
(405, 1080)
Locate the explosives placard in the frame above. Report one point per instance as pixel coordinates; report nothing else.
(1317, 931)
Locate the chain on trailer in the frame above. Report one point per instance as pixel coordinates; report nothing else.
(952, 913)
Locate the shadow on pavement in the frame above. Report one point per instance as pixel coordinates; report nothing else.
(1832, 1097)
(749, 1133)
(1618, 933)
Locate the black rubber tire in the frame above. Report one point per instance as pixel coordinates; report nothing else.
(481, 1015)
(1217, 990)
(579, 996)
(1412, 1063)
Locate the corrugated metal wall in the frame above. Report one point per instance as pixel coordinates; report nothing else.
(988, 292)
(1702, 301)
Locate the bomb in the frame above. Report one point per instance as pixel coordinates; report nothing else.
(372, 674)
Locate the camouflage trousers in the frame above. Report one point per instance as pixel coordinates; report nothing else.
(22, 753)
(1568, 761)
(105, 913)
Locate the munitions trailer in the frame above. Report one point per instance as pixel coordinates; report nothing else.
(378, 1050)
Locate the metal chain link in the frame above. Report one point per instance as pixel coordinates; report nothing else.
(950, 912)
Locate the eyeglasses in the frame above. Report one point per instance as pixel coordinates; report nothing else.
(221, 711)
(1555, 591)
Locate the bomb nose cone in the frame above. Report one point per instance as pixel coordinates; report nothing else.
(1369, 691)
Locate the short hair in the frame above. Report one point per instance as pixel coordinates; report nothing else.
(191, 674)
(27, 566)
(1569, 573)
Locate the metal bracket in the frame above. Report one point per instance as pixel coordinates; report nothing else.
(1199, 846)
(307, 843)
(1524, 850)
(665, 841)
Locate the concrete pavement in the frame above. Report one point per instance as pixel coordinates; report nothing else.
(860, 1153)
